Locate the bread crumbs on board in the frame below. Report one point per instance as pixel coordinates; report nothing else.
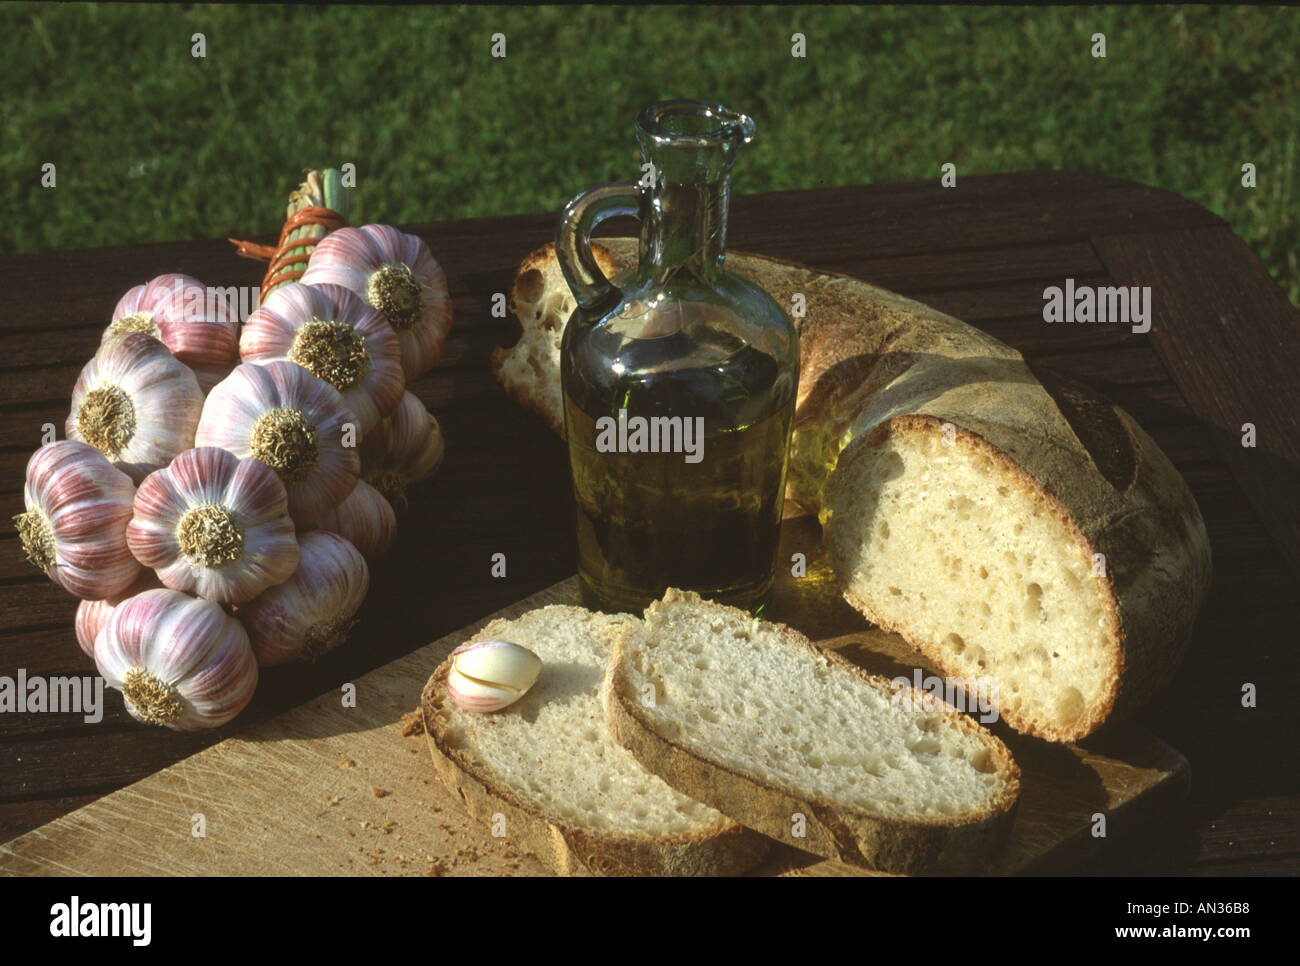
(412, 724)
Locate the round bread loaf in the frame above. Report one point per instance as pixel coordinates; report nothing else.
(1008, 523)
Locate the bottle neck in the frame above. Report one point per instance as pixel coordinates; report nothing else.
(684, 229)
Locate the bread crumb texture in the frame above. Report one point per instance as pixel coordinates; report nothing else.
(941, 543)
(757, 698)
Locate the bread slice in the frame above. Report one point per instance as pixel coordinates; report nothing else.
(540, 299)
(749, 717)
(549, 769)
(1007, 521)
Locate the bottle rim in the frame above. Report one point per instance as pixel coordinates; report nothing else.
(692, 123)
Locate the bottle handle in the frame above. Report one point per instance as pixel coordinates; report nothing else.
(573, 240)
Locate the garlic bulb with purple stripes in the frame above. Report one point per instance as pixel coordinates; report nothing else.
(214, 525)
(336, 337)
(365, 519)
(74, 528)
(312, 612)
(179, 661)
(413, 450)
(396, 274)
(196, 322)
(91, 614)
(293, 422)
(136, 403)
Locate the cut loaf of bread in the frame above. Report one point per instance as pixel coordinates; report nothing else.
(800, 744)
(1006, 522)
(549, 768)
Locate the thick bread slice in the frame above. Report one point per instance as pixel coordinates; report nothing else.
(540, 299)
(751, 718)
(1021, 528)
(1004, 521)
(567, 791)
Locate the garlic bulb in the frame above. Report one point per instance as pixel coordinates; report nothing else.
(365, 519)
(336, 337)
(311, 612)
(396, 274)
(179, 661)
(74, 529)
(195, 322)
(415, 449)
(91, 614)
(136, 403)
(214, 525)
(294, 423)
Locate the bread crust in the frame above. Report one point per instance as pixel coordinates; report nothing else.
(569, 849)
(853, 835)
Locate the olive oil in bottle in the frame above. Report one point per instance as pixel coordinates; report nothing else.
(679, 382)
(648, 521)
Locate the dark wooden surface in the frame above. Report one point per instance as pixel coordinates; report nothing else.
(1224, 350)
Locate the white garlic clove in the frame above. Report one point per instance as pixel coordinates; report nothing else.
(214, 525)
(179, 661)
(313, 611)
(474, 695)
(74, 528)
(293, 422)
(491, 675)
(136, 403)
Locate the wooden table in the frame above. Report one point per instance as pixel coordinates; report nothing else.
(1224, 350)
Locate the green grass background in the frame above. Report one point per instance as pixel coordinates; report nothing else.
(152, 144)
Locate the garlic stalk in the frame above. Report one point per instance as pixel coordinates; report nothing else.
(322, 189)
(312, 612)
(136, 403)
(179, 661)
(293, 422)
(74, 528)
(214, 525)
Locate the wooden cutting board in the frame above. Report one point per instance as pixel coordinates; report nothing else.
(334, 787)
